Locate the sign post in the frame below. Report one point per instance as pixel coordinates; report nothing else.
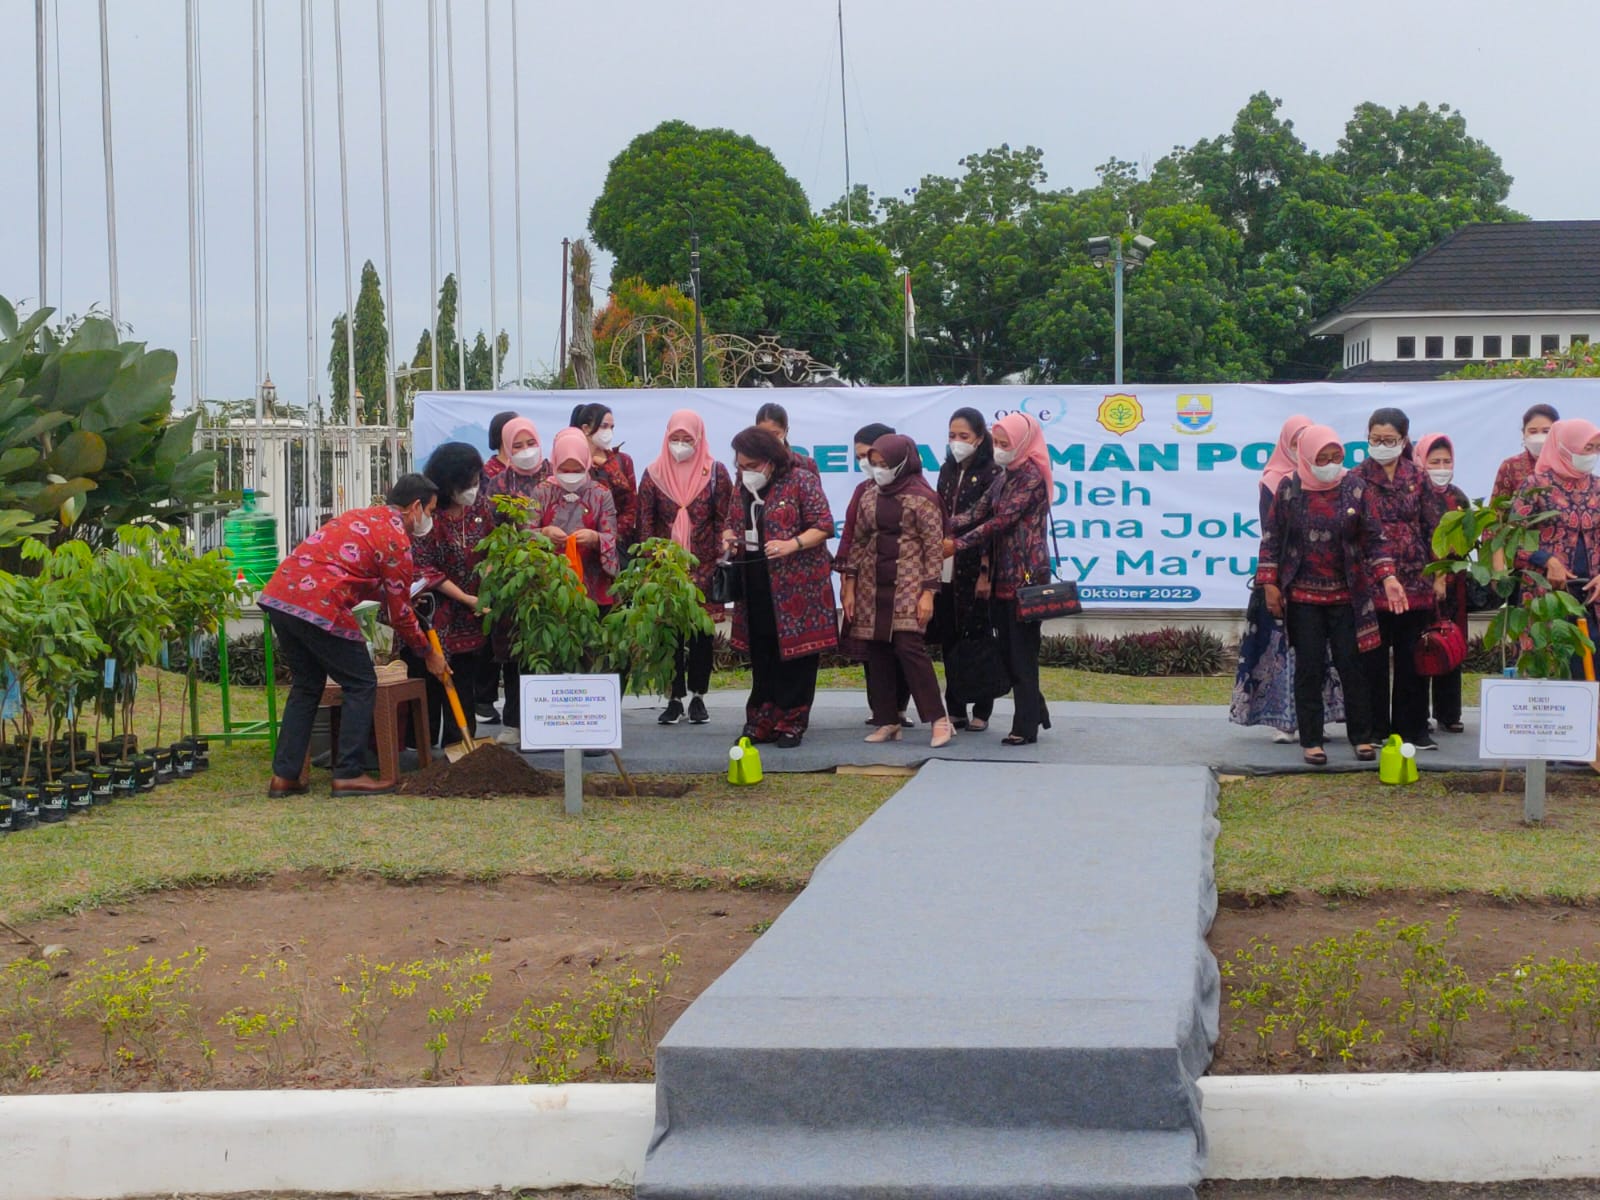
(1537, 720)
(572, 713)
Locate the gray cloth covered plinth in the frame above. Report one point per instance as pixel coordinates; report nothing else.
(998, 986)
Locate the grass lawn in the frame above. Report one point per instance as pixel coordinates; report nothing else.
(1348, 835)
(218, 827)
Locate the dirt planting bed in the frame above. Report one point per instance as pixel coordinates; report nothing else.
(492, 770)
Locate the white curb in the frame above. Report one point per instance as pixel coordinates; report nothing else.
(1456, 1128)
(408, 1141)
(1449, 1128)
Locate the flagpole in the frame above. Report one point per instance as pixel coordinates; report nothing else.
(905, 325)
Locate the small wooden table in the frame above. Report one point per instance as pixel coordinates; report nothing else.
(393, 696)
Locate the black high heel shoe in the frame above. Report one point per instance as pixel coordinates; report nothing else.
(1016, 739)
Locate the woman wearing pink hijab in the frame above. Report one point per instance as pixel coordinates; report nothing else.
(571, 506)
(1563, 482)
(687, 496)
(1013, 520)
(1263, 682)
(1320, 546)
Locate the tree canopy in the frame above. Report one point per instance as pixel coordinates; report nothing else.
(1257, 235)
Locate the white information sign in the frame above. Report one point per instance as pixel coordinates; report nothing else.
(571, 712)
(1538, 719)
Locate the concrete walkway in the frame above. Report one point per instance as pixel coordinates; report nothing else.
(1083, 734)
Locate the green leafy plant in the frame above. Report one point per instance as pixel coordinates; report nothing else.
(1439, 996)
(48, 636)
(612, 1021)
(1552, 1005)
(553, 625)
(29, 1040)
(200, 596)
(88, 442)
(132, 617)
(658, 608)
(456, 988)
(282, 1034)
(1546, 631)
(371, 995)
(141, 1009)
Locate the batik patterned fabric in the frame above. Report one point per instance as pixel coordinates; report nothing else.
(364, 554)
(1263, 682)
(1574, 535)
(1293, 527)
(450, 552)
(1012, 519)
(710, 513)
(1513, 473)
(617, 477)
(895, 556)
(508, 481)
(802, 583)
(1408, 508)
(589, 507)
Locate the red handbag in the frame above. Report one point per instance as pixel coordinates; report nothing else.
(1441, 648)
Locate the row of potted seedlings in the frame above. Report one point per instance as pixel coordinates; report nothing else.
(83, 625)
(66, 778)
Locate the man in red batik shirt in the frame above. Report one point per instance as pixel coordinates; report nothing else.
(364, 554)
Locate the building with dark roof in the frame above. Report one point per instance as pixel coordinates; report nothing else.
(1515, 290)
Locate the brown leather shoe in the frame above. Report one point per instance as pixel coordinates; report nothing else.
(284, 787)
(361, 785)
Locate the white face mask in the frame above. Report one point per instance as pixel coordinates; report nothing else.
(1384, 454)
(961, 451)
(424, 526)
(602, 438)
(1584, 463)
(884, 476)
(754, 481)
(1326, 472)
(680, 451)
(527, 460)
(1004, 457)
(467, 498)
(571, 480)
(1441, 476)
(864, 463)
(1534, 442)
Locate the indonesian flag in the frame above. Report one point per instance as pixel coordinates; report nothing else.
(911, 309)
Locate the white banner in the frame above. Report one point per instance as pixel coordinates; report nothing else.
(1155, 487)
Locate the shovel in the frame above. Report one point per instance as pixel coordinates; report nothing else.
(456, 751)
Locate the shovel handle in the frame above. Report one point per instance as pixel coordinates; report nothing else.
(450, 690)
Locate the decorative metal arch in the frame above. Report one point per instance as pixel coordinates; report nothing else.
(737, 361)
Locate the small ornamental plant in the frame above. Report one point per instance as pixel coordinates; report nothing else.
(1540, 636)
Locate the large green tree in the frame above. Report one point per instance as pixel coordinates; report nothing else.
(372, 354)
(768, 266)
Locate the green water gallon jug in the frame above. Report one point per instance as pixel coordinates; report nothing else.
(251, 537)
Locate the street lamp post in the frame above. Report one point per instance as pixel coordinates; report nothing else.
(1109, 252)
(694, 287)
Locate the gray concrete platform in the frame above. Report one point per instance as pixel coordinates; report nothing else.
(1083, 735)
(972, 998)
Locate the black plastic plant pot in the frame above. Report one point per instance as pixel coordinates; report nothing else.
(202, 752)
(111, 750)
(80, 742)
(53, 803)
(80, 793)
(100, 789)
(165, 772)
(124, 778)
(145, 768)
(24, 806)
(182, 759)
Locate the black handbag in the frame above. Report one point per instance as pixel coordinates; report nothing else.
(1047, 601)
(727, 582)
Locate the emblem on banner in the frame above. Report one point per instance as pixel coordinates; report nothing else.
(1120, 413)
(1195, 414)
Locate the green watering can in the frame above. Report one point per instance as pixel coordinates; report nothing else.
(744, 763)
(1397, 762)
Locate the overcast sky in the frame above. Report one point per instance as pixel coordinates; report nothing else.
(928, 81)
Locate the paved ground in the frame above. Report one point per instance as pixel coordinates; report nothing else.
(1083, 734)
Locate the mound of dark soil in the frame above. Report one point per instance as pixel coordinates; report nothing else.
(493, 770)
(1557, 783)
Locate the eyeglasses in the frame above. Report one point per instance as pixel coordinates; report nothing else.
(1384, 441)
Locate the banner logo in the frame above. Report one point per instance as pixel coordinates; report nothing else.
(1120, 413)
(1195, 414)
